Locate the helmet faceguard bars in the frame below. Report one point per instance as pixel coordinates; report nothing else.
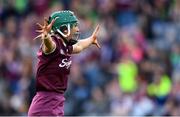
(65, 18)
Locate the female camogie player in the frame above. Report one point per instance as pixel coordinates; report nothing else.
(59, 36)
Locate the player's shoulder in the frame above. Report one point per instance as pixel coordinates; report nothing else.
(62, 46)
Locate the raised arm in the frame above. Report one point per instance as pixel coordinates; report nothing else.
(84, 43)
(48, 45)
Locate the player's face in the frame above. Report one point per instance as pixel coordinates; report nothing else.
(74, 31)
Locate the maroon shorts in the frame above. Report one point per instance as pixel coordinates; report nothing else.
(47, 104)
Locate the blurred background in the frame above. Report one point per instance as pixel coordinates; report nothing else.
(136, 72)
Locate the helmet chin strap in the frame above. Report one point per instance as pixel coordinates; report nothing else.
(65, 35)
(70, 42)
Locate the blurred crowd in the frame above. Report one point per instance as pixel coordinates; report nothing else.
(135, 73)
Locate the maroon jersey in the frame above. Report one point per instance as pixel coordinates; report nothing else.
(53, 69)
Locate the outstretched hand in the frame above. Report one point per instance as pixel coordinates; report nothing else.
(44, 29)
(94, 37)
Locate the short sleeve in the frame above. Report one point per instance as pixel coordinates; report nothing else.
(42, 55)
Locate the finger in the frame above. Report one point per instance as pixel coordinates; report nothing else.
(96, 30)
(39, 31)
(39, 25)
(37, 37)
(97, 44)
(54, 20)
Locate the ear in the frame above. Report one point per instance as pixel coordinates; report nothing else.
(64, 29)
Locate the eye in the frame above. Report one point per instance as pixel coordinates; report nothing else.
(76, 24)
